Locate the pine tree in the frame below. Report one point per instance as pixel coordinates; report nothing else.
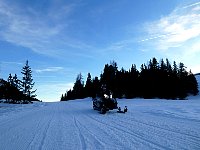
(13, 94)
(95, 87)
(108, 78)
(182, 76)
(88, 86)
(10, 79)
(2, 88)
(132, 82)
(142, 68)
(169, 67)
(69, 95)
(154, 64)
(62, 98)
(175, 69)
(162, 65)
(192, 84)
(8, 88)
(27, 81)
(17, 82)
(78, 88)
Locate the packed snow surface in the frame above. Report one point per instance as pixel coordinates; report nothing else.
(74, 125)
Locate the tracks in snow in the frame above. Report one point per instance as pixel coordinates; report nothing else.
(125, 133)
(74, 125)
(148, 134)
(81, 137)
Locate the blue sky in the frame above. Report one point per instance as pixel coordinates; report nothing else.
(62, 38)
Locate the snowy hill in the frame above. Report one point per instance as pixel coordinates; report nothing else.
(148, 124)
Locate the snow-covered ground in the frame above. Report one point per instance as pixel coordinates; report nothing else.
(148, 124)
(74, 125)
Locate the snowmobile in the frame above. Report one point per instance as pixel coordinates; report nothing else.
(104, 103)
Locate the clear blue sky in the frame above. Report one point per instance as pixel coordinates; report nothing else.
(62, 38)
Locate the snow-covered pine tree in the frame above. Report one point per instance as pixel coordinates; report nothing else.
(27, 81)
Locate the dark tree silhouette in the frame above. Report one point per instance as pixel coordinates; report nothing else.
(192, 84)
(88, 86)
(78, 89)
(27, 81)
(108, 77)
(17, 91)
(96, 85)
(154, 80)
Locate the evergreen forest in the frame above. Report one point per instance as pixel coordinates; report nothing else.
(154, 80)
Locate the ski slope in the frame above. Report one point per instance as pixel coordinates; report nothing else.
(148, 124)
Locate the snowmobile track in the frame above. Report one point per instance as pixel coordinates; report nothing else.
(81, 137)
(189, 136)
(134, 135)
(74, 125)
(45, 133)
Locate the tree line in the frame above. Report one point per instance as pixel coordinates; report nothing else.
(154, 80)
(15, 90)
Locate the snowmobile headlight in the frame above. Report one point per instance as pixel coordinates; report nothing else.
(106, 96)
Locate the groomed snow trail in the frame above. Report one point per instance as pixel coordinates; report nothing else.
(74, 125)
